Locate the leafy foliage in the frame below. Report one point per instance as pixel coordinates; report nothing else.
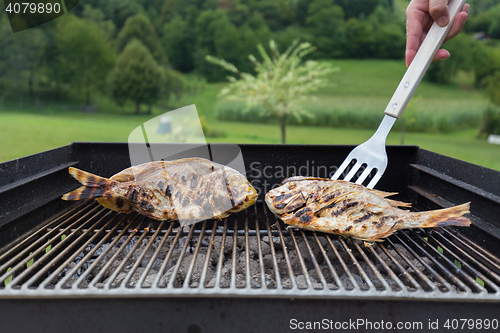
(178, 42)
(85, 55)
(51, 61)
(490, 123)
(359, 8)
(493, 88)
(485, 19)
(365, 113)
(326, 23)
(136, 76)
(22, 53)
(218, 36)
(443, 71)
(139, 27)
(97, 16)
(281, 81)
(116, 10)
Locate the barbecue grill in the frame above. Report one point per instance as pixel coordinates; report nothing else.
(88, 264)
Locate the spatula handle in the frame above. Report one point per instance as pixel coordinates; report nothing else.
(421, 62)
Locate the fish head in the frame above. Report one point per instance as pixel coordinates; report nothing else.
(243, 194)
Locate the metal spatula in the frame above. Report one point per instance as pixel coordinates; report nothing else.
(371, 154)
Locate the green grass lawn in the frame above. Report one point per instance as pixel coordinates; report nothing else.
(359, 82)
(380, 78)
(23, 134)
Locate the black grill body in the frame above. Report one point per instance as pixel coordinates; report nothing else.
(54, 248)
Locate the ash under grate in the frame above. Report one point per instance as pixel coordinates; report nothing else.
(93, 251)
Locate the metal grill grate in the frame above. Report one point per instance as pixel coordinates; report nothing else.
(91, 251)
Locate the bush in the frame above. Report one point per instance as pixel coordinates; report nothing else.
(486, 60)
(425, 117)
(493, 88)
(208, 131)
(490, 123)
(460, 59)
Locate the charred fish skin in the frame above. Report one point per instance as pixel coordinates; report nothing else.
(352, 210)
(187, 189)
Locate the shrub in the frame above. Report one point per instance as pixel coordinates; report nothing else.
(493, 88)
(460, 59)
(425, 116)
(490, 123)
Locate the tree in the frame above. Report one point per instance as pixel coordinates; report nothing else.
(139, 27)
(116, 10)
(252, 33)
(85, 54)
(183, 8)
(281, 81)
(173, 84)
(136, 76)
(493, 88)
(326, 23)
(238, 14)
(460, 59)
(97, 16)
(178, 43)
(216, 35)
(277, 13)
(494, 29)
(21, 54)
(359, 34)
(358, 8)
(179, 38)
(388, 34)
(485, 61)
(301, 11)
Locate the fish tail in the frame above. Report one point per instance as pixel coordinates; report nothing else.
(452, 216)
(93, 186)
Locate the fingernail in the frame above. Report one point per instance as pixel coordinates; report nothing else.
(442, 21)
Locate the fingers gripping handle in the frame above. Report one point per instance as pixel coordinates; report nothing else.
(421, 62)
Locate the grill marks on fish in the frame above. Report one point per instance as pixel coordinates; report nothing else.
(92, 192)
(93, 186)
(290, 202)
(132, 194)
(193, 181)
(305, 218)
(351, 210)
(367, 215)
(146, 206)
(119, 203)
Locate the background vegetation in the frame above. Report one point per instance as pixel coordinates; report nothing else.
(86, 75)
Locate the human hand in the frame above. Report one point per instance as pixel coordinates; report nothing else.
(420, 15)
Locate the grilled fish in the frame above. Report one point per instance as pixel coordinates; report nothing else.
(190, 189)
(351, 210)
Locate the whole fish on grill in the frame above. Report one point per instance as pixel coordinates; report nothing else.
(190, 189)
(351, 210)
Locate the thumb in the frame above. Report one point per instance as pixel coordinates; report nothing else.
(439, 11)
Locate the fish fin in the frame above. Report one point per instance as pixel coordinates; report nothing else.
(395, 203)
(447, 217)
(93, 186)
(383, 194)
